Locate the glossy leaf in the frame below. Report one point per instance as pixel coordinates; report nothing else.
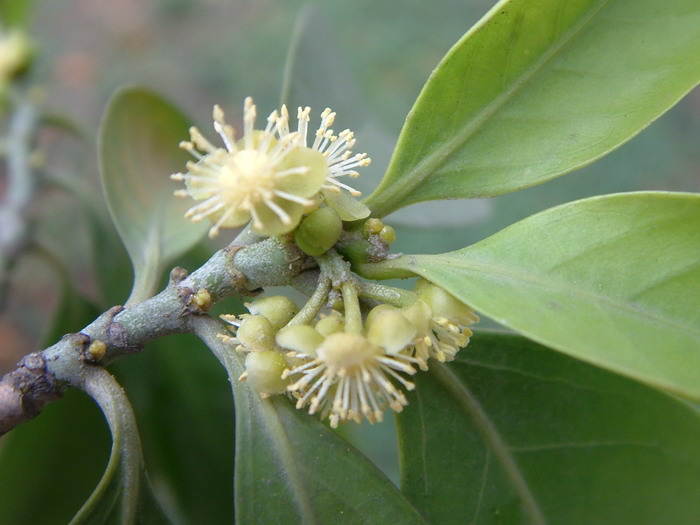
(612, 280)
(124, 494)
(513, 433)
(290, 468)
(139, 139)
(538, 89)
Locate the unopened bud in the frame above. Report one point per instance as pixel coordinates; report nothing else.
(256, 333)
(264, 371)
(278, 309)
(319, 231)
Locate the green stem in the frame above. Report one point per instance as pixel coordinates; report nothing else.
(338, 269)
(351, 304)
(384, 270)
(315, 302)
(387, 294)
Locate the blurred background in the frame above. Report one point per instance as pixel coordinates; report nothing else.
(367, 60)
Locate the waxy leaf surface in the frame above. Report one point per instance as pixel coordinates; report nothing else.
(537, 89)
(513, 433)
(612, 280)
(138, 148)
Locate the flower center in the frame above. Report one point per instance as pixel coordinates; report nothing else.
(247, 174)
(343, 351)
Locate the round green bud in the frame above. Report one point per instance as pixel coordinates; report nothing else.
(331, 324)
(278, 309)
(300, 338)
(319, 231)
(256, 333)
(265, 370)
(372, 226)
(387, 234)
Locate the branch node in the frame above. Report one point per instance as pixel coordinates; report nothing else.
(177, 275)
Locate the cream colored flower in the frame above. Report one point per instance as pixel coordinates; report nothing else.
(442, 323)
(349, 375)
(266, 176)
(337, 149)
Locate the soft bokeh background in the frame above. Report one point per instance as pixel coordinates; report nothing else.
(366, 59)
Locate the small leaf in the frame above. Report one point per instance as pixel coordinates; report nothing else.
(612, 280)
(290, 468)
(138, 146)
(124, 494)
(536, 90)
(511, 432)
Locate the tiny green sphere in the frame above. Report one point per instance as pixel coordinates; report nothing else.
(319, 231)
(372, 226)
(256, 333)
(387, 234)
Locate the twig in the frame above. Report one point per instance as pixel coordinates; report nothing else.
(235, 270)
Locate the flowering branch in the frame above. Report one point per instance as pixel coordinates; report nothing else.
(236, 270)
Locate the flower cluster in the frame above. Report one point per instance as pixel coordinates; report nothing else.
(272, 177)
(348, 372)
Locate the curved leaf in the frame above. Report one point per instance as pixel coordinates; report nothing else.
(138, 147)
(124, 494)
(290, 468)
(612, 280)
(511, 432)
(538, 89)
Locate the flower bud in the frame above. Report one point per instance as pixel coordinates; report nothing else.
(319, 231)
(444, 304)
(264, 372)
(278, 309)
(331, 324)
(372, 226)
(389, 329)
(300, 338)
(387, 234)
(256, 333)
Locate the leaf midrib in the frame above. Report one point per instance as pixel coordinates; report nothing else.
(492, 439)
(431, 163)
(509, 272)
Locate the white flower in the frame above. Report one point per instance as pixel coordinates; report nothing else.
(265, 176)
(442, 323)
(348, 375)
(337, 149)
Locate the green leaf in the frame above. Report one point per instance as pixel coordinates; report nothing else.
(138, 148)
(538, 89)
(290, 468)
(612, 280)
(124, 494)
(182, 401)
(511, 432)
(51, 464)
